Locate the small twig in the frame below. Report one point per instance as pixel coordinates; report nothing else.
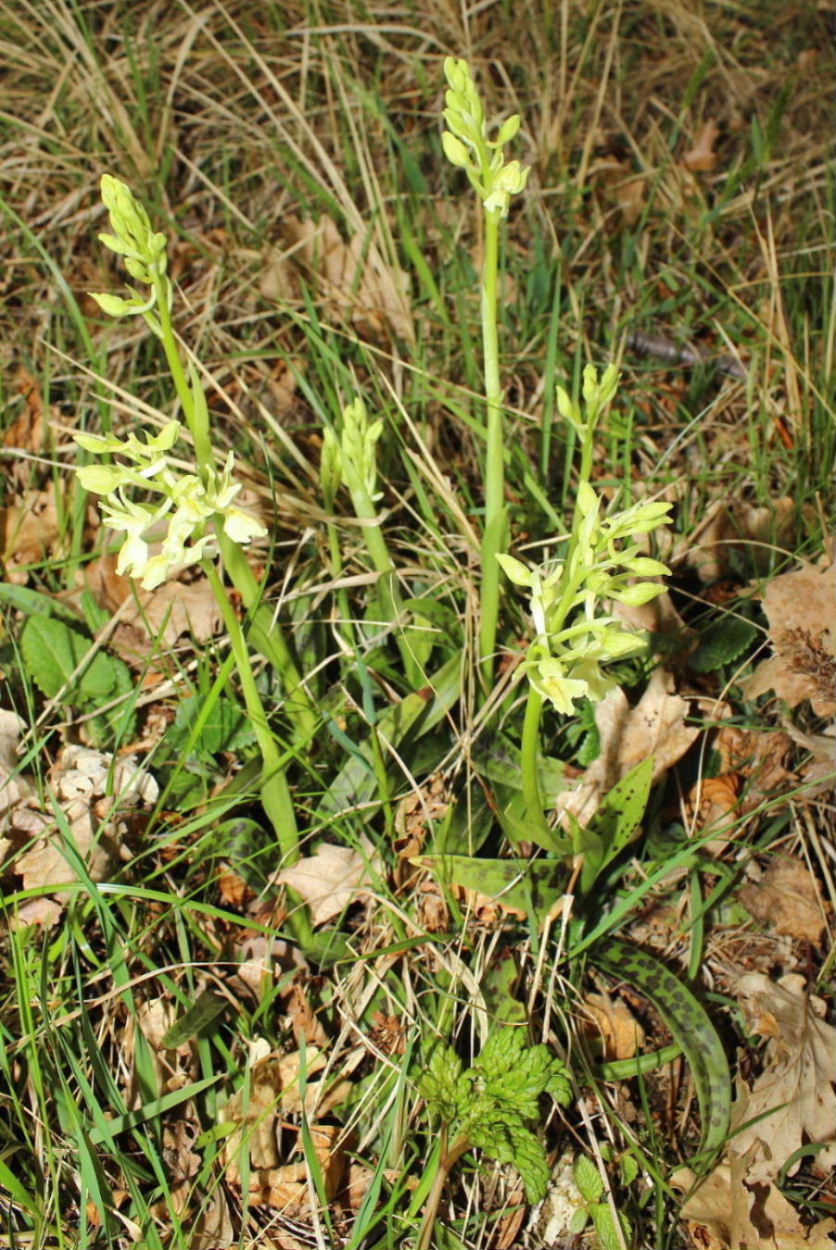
(665, 349)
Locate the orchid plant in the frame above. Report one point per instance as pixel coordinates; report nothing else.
(170, 517)
(573, 638)
(468, 147)
(193, 518)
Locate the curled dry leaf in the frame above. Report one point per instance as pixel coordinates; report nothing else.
(793, 1100)
(90, 789)
(732, 524)
(353, 277)
(713, 801)
(29, 532)
(332, 878)
(790, 1104)
(622, 1035)
(148, 618)
(620, 187)
(655, 726)
(757, 757)
(787, 899)
(702, 158)
(26, 434)
(819, 770)
(726, 1212)
(800, 607)
(259, 1111)
(14, 788)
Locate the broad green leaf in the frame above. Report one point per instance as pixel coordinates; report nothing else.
(689, 1024)
(499, 985)
(615, 823)
(525, 887)
(498, 759)
(588, 1179)
(32, 602)
(196, 1020)
(54, 652)
(721, 644)
(226, 729)
(518, 827)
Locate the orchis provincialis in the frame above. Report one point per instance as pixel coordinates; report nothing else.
(467, 146)
(193, 509)
(143, 251)
(349, 458)
(194, 514)
(573, 639)
(564, 660)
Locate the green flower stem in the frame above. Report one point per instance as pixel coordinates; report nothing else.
(264, 633)
(199, 429)
(530, 745)
(388, 593)
(494, 533)
(275, 790)
(529, 753)
(275, 795)
(336, 572)
(449, 1159)
(268, 639)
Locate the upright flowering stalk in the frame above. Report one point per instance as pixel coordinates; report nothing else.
(574, 640)
(349, 458)
(466, 145)
(144, 254)
(188, 517)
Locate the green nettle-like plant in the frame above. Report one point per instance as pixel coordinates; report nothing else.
(594, 1208)
(490, 1107)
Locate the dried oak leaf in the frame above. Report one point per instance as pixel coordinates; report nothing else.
(29, 532)
(272, 1088)
(89, 788)
(352, 277)
(800, 609)
(621, 1032)
(759, 757)
(655, 726)
(702, 158)
(738, 1204)
(152, 617)
(728, 1212)
(620, 187)
(787, 898)
(259, 1112)
(14, 788)
(793, 1100)
(730, 525)
(332, 878)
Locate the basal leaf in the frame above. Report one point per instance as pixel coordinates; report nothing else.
(55, 654)
(722, 644)
(225, 729)
(616, 822)
(515, 885)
